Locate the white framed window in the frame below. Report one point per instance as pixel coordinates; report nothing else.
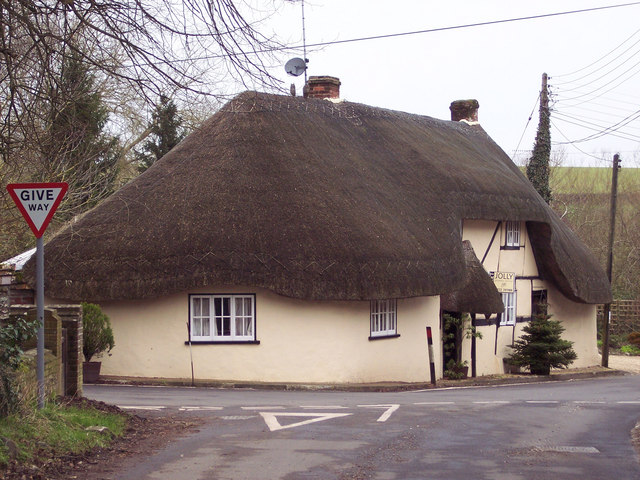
(509, 315)
(383, 318)
(226, 318)
(512, 234)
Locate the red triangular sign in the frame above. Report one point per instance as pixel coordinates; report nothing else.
(37, 202)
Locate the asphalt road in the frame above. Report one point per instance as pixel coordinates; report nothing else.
(559, 430)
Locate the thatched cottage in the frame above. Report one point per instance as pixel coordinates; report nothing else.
(298, 239)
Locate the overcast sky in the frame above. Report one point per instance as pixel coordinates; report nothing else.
(500, 65)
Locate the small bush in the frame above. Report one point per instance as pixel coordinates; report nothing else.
(617, 341)
(12, 335)
(634, 338)
(97, 332)
(630, 350)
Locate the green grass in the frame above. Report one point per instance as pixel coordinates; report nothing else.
(572, 180)
(57, 430)
(569, 180)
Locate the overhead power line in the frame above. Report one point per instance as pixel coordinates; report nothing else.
(468, 25)
(597, 61)
(427, 30)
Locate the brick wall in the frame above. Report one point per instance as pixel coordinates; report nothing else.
(71, 316)
(27, 377)
(13, 291)
(59, 318)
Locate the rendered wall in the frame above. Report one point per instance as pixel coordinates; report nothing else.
(300, 341)
(578, 319)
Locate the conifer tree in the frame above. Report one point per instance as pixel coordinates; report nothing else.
(166, 132)
(541, 347)
(75, 146)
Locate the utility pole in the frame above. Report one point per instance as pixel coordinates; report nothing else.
(612, 226)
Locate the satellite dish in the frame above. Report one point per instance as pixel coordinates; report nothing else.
(295, 67)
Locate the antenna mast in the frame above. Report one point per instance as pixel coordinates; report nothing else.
(304, 44)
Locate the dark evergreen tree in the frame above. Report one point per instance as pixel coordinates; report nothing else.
(166, 132)
(75, 146)
(541, 347)
(538, 166)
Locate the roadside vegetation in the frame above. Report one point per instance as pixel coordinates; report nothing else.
(35, 439)
(624, 344)
(69, 427)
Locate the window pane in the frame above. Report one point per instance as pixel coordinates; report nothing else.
(197, 307)
(196, 327)
(206, 327)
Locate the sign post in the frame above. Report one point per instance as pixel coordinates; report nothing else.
(38, 202)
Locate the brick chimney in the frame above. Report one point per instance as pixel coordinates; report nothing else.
(322, 87)
(464, 111)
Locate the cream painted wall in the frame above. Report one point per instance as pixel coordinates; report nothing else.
(300, 341)
(578, 319)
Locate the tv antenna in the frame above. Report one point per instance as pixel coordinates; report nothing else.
(297, 66)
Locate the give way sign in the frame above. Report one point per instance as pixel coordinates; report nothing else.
(37, 202)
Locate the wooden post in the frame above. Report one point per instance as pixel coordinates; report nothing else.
(612, 227)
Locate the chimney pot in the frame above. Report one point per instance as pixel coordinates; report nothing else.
(322, 87)
(464, 110)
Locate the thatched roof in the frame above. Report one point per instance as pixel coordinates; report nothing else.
(478, 293)
(311, 200)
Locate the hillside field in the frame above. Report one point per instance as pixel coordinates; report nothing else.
(586, 180)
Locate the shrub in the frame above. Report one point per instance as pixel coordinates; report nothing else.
(634, 338)
(541, 347)
(630, 350)
(12, 335)
(97, 332)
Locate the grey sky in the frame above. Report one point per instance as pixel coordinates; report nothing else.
(499, 65)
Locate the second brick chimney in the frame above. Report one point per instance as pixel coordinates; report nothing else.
(464, 111)
(322, 87)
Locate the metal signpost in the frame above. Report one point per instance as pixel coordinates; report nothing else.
(38, 202)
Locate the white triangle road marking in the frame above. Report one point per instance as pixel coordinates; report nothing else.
(389, 409)
(271, 418)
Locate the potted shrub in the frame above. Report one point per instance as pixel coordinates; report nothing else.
(456, 370)
(97, 339)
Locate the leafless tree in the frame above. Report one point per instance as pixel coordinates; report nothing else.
(133, 48)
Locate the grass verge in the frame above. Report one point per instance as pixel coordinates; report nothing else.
(58, 429)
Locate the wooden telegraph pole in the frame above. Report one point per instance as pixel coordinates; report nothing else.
(612, 226)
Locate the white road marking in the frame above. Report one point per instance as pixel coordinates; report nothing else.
(140, 407)
(492, 402)
(434, 403)
(273, 407)
(271, 419)
(544, 402)
(567, 449)
(320, 407)
(388, 412)
(237, 417)
(588, 402)
(195, 409)
(630, 402)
